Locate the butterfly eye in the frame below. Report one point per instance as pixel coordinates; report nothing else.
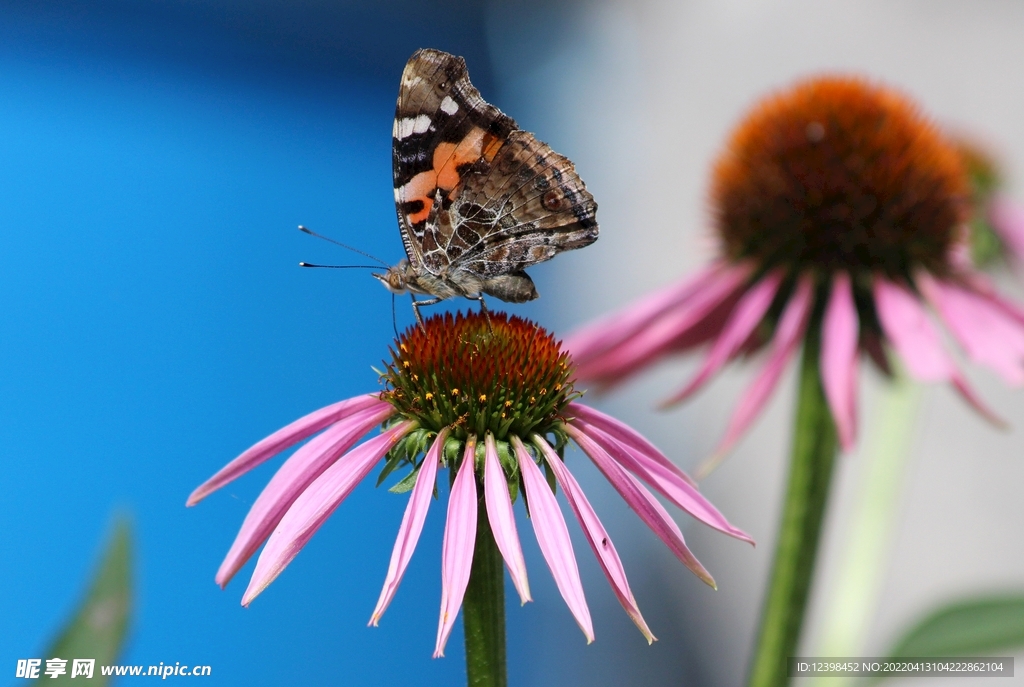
(552, 200)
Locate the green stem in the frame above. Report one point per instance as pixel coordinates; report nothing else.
(814, 450)
(867, 541)
(483, 611)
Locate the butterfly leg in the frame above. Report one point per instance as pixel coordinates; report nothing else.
(484, 310)
(416, 307)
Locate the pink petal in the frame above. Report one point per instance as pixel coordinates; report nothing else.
(657, 337)
(745, 317)
(502, 519)
(282, 439)
(596, 534)
(641, 501)
(788, 335)
(612, 329)
(316, 504)
(412, 525)
(459, 541)
(1007, 218)
(553, 538)
(681, 493)
(628, 437)
(297, 473)
(987, 334)
(982, 286)
(839, 336)
(908, 328)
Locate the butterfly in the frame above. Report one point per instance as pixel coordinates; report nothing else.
(478, 199)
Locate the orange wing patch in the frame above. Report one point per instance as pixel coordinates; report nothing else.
(448, 157)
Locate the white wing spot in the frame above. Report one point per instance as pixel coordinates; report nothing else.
(449, 106)
(407, 126)
(421, 125)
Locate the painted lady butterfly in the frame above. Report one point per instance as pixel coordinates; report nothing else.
(478, 199)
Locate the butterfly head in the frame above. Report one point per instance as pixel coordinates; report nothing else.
(396, 279)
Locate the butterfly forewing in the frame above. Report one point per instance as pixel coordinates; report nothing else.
(442, 128)
(478, 200)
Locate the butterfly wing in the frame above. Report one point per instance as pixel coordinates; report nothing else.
(443, 129)
(524, 207)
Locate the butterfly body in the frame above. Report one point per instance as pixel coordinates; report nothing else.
(478, 199)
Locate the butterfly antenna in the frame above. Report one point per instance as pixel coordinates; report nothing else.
(340, 267)
(343, 245)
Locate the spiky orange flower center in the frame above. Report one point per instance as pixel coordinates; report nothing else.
(505, 375)
(839, 174)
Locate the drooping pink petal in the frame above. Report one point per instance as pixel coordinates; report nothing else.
(839, 335)
(596, 534)
(658, 337)
(627, 436)
(502, 519)
(315, 505)
(641, 501)
(282, 439)
(983, 287)
(297, 473)
(612, 329)
(987, 334)
(553, 538)
(459, 541)
(911, 333)
(745, 317)
(412, 525)
(787, 338)
(907, 327)
(681, 493)
(1007, 218)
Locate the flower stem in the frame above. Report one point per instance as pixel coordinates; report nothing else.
(814, 450)
(483, 611)
(867, 542)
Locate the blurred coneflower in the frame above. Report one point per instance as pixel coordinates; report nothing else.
(840, 211)
(494, 403)
(841, 214)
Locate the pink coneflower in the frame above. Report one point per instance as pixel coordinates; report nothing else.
(840, 211)
(997, 221)
(493, 402)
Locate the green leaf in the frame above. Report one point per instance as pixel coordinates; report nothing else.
(967, 627)
(406, 484)
(549, 475)
(100, 624)
(506, 458)
(513, 489)
(390, 465)
(452, 451)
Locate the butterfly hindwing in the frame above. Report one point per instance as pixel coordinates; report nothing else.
(525, 208)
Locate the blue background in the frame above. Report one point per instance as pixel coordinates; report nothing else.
(154, 162)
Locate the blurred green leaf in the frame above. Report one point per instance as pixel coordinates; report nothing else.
(968, 627)
(100, 624)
